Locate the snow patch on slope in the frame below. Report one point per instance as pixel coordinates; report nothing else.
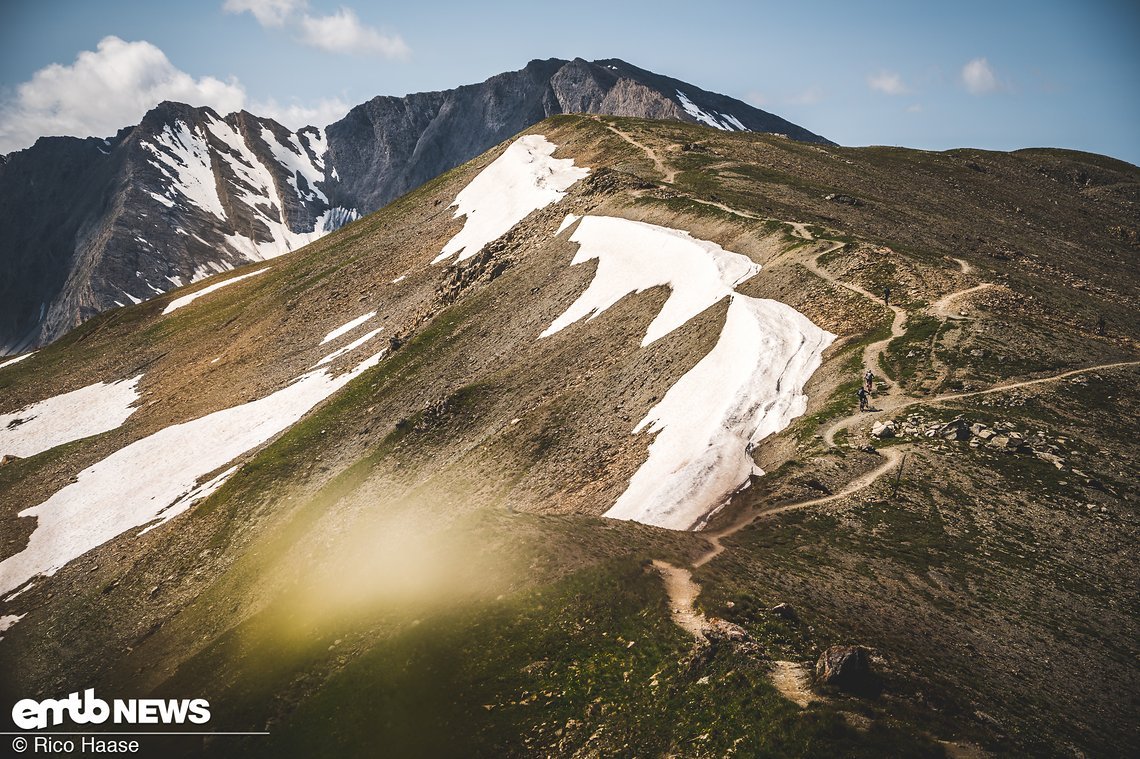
(748, 387)
(143, 481)
(8, 620)
(16, 360)
(183, 157)
(186, 300)
(348, 348)
(347, 327)
(566, 223)
(60, 419)
(634, 256)
(726, 122)
(523, 179)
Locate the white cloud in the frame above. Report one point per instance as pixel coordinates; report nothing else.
(342, 32)
(810, 96)
(887, 82)
(296, 115)
(267, 12)
(979, 78)
(115, 85)
(103, 91)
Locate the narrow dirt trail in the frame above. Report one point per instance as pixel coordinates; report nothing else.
(873, 351)
(668, 173)
(890, 456)
(942, 307)
(682, 592)
(794, 682)
(799, 229)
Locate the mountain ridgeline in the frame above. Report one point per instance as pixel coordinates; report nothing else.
(87, 225)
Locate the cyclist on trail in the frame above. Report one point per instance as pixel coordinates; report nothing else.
(869, 381)
(862, 398)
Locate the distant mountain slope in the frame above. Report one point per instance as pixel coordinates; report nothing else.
(388, 146)
(89, 224)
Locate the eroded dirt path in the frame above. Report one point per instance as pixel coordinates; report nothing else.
(794, 682)
(682, 592)
(963, 264)
(943, 306)
(664, 169)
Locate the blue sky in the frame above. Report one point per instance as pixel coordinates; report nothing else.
(998, 75)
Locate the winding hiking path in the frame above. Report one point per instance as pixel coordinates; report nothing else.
(669, 173)
(872, 353)
(791, 679)
(682, 592)
(942, 307)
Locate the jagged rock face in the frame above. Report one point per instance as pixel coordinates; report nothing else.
(88, 224)
(388, 146)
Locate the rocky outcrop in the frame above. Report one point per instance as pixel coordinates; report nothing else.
(883, 430)
(849, 669)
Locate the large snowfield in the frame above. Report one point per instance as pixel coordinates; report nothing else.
(523, 179)
(749, 386)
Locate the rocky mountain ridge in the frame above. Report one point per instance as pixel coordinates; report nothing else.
(92, 224)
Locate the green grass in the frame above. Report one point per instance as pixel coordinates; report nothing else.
(592, 662)
(921, 333)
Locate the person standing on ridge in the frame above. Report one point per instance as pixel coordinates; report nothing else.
(887, 295)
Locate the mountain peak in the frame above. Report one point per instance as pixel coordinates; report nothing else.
(170, 204)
